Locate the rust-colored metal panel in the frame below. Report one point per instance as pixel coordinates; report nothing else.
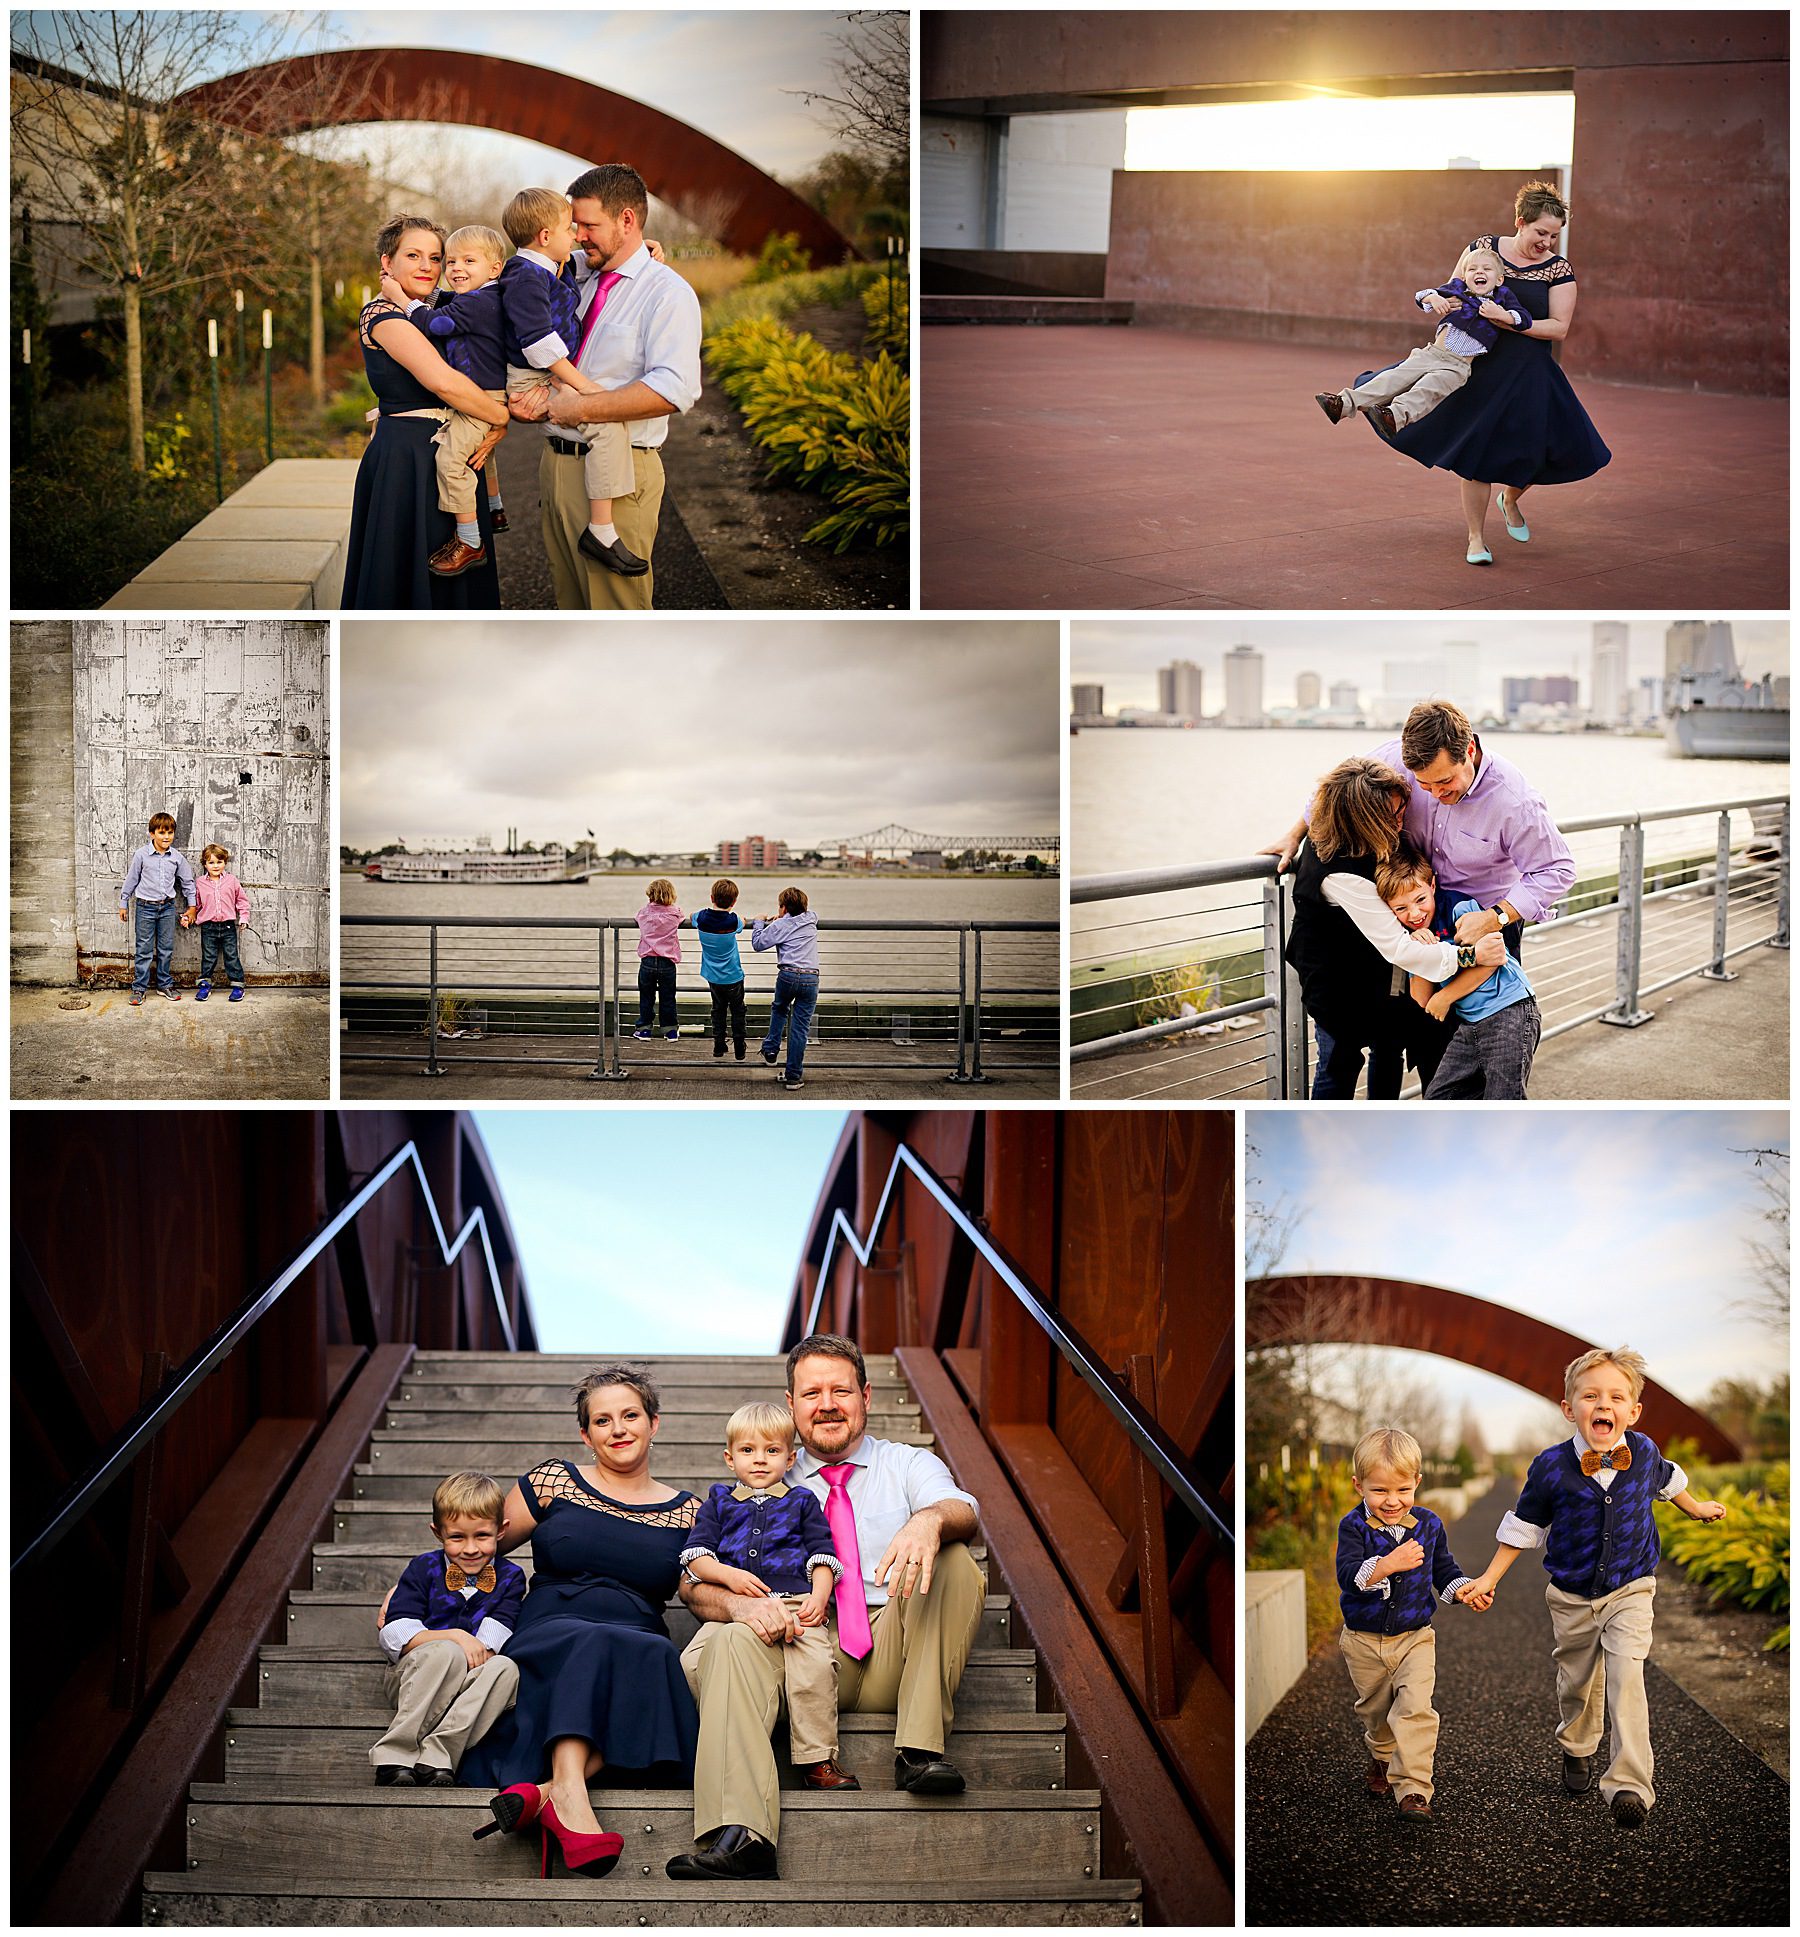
(689, 170)
(1512, 1345)
(1020, 1193)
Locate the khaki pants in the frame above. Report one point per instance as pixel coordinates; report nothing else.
(1414, 387)
(579, 583)
(1394, 1675)
(921, 1647)
(606, 470)
(441, 1705)
(456, 483)
(1599, 1655)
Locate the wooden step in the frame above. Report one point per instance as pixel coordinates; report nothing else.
(506, 1903)
(245, 1830)
(660, 1365)
(330, 1749)
(411, 1473)
(394, 1525)
(1000, 1680)
(703, 1426)
(712, 1396)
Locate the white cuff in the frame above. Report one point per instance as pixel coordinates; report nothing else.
(545, 351)
(1677, 1484)
(418, 302)
(1381, 1587)
(493, 1635)
(696, 1553)
(1515, 1532)
(826, 1560)
(1448, 1594)
(397, 1634)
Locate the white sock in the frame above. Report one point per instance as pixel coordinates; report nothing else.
(607, 534)
(470, 534)
(495, 501)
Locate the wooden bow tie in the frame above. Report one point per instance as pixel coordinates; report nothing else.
(456, 1580)
(1618, 1460)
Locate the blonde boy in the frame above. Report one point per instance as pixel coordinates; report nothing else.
(782, 1529)
(1394, 1569)
(1587, 1501)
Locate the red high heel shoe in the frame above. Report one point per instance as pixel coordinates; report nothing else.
(513, 1809)
(583, 1854)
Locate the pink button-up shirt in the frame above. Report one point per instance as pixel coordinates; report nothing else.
(221, 900)
(657, 924)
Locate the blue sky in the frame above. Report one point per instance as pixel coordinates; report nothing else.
(1624, 1227)
(658, 1230)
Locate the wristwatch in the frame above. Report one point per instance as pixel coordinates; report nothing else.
(1498, 911)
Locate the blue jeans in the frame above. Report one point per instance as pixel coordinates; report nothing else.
(656, 989)
(796, 997)
(155, 931)
(219, 938)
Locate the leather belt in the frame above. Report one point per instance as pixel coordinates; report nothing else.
(563, 447)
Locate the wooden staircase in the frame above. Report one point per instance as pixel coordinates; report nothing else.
(297, 1833)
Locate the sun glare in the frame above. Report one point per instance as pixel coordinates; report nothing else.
(1418, 131)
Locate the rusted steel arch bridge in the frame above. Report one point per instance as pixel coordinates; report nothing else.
(892, 838)
(1328, 1309)
(700, 177)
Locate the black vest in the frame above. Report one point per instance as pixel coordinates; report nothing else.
(1343, 982)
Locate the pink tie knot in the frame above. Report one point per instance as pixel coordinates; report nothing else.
(854, 1636)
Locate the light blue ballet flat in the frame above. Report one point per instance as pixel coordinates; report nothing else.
(1520, 531)
(1479, 557)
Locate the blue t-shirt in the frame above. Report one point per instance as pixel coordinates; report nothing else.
(718, 930)
(1502, 989)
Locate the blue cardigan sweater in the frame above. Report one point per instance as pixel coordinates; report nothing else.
(1412, 1597)
(1600, 1537)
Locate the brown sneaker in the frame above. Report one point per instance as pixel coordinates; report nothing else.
(826, 1775)
(1417, 1811)
(1375, 1780)
(453, 558)
(1332, 404)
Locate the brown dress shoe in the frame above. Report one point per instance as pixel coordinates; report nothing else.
(1375, 1780)
(498, 522)
(1417, 1811)
(1332, 404)
(1385, 418)
(826, 1775)
(453, 558)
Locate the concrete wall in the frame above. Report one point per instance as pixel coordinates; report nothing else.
(43, 803)
(224, 724)
(1010, 272)
(1274, 1639)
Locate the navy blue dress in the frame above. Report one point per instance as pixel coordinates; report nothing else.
(594, 1657)
(1517, 420)
(395, 523)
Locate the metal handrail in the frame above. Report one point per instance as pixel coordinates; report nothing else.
(150, 1419)
(1142, 1430)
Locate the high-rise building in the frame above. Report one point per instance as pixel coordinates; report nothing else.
(753, 851)
(1539, 694)
(1612, 658)
(1306, 691)
(1087, 701)
(1243, 687)
(1178, 689)
(1461, 662)
(1344, 697)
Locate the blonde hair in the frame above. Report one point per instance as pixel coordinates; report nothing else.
(473, 1496)
(1353, 812)
(212, 848)
(490, 239)
(661, 892)
(1633, 1364)
(759, 1416)
(1469, 255)
(531, 212)
(1400, 870)
(1387, 1446)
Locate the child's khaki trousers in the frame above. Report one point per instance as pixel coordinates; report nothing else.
(456, 483)
(1394, 1676)
(607, 470)
(442, 1705)
(1414, 387)
(1599, 1655)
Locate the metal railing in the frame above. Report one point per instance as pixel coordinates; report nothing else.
(968, 999)
(1191, 996)
(1139, 1427)
(136, 1438)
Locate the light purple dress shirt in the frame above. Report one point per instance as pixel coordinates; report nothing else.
(1498, 843)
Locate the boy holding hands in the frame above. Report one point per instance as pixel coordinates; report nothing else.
(158, 880)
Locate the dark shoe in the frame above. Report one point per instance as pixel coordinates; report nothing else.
(718, 1051)
(791, 1082)
(1332, 404)
(738, 1053)
(826, 1775)
(616, 557)
(387, 1774)
(1385, 419)
(498, 521)
(427, 1777)
(453, 558)
(202, 990)
(734, 1853)
(1578, 1773)
(1628, 1810)
(1417, 1811)
(920, 1773)
(1375, 1780)
(770, 1056)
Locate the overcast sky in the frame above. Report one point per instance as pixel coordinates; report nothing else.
(1623, 1227)
(1125, 656)
(660, 733)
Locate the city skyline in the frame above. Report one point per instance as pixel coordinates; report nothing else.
(1124, 657)
(668, 735)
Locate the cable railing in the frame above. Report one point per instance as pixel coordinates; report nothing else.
(970, 1000)
(1178, 988)
(137, 1436)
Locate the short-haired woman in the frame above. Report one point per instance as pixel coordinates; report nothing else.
(1517, 421)
(1346, 943)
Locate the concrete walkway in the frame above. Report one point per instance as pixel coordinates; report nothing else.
(276, 1043)
(1070, 469)
(1509, 1846)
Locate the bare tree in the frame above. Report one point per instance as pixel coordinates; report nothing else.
(869, 104)
(1770, 1256)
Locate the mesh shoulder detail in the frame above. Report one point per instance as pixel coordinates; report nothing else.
(378, 311)
(556, 1480)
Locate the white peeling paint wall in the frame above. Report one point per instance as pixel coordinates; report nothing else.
(223, 724)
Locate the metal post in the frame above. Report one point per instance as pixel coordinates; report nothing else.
(975, 1075)
(212, 352)
(960, 1074)
(25, 397)
(1274, 1030)
(432, 1066)
(1625, 1013)
(243, 361)
(1293, 1010)
(619, 1071)
(1717, 971)
(599, 1069)
(1781, 892)
(269, 386)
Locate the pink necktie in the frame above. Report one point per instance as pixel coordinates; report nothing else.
(607, 278)
(852, 1605)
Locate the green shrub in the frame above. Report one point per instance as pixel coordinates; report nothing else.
(831, 288)
(875, 299)
(351, 406)
(1276, 1546)
(781, 256)
(1744, 1558)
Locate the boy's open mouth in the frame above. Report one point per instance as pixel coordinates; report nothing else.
(1601, 1424)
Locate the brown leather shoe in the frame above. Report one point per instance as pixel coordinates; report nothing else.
(498, 522)
(1332, 404)
(826, 1775)
(1417, 1811)
(1375, 1780)
(1385, 418)
(453, 558)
